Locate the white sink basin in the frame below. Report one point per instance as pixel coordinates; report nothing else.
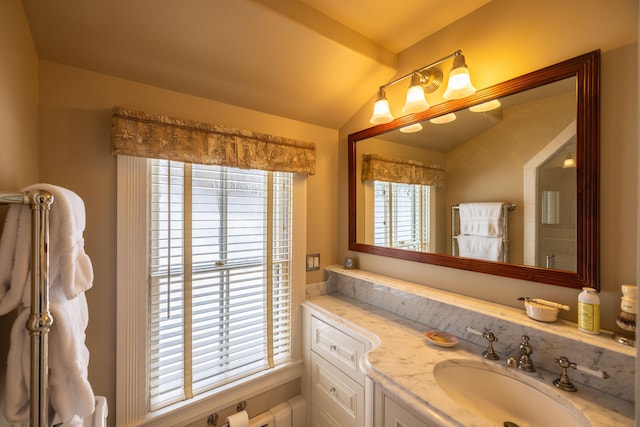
(501, 397)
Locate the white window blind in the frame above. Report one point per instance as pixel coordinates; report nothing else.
(219, 277)
(402, 215)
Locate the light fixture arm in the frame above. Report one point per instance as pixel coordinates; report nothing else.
(426, 79)
(433, 64)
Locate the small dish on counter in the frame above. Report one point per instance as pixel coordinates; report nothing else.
(441, 339)
(541, 312)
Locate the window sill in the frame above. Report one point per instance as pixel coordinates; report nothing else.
(202, 406)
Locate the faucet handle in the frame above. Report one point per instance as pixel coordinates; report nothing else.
(563, 382)
(489, 353)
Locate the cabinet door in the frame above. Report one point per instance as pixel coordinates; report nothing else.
(336, 399)
(396, 416)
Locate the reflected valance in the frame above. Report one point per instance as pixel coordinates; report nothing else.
(391, 169)
(135, 133)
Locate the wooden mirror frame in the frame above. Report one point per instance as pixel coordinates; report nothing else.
(586, 69)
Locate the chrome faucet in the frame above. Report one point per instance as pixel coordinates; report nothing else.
(489, 353)
(563, 382)
(522, 358)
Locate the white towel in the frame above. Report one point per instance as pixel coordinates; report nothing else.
(68, 262)
(15, 256)
(70, 274)
(67, 257)
(481, 219)
(480, 247)
(70, 393)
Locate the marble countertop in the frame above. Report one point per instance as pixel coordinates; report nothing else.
(402, 361)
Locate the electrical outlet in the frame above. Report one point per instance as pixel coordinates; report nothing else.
(313, 262)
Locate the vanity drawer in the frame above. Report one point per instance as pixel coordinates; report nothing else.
(336, 398)
(397, 416)
(343, 350)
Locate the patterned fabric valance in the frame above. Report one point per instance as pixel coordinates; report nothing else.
(139, 134)
(391, 169)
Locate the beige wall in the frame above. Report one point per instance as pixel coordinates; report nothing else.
(508, 38)
(75, 124)
(18, 100)
(18, 121)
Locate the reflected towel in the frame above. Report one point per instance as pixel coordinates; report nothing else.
(480, 247)
(481, 219)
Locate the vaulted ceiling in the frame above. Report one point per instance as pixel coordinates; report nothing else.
(316, 61)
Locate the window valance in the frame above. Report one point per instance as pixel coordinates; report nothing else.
(391, 169)
(135, 133)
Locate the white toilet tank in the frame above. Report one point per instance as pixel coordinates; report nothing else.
(99, 418)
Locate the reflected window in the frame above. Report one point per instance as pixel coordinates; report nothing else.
(402, 215)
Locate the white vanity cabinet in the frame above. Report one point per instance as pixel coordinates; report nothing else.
(334, 382)
(395, 415)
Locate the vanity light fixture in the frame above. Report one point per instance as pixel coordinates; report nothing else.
(381, 111)
(416, 127)
(416, 100)
(426, 80)
(440, 120)
(459, 80)
(569, 162)
(486, 106)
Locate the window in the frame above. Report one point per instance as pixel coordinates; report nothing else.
(217, 284)
(402, 215)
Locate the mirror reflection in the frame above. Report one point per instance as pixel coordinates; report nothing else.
(493, 182)
(503, 182)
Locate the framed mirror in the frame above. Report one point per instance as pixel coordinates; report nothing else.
(509, 190)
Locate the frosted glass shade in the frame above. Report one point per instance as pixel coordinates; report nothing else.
(447, 118)
(381, 110)
(459, 84)
(416, 101)
(416, 127)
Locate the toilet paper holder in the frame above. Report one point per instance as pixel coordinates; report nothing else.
(212, 420)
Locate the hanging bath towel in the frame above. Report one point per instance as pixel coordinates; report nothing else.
(70, 275)
(481, 219)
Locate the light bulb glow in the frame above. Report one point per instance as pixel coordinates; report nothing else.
(381, 111)
(447, 118)
(459, 78)
(416, 127)
(486, 106)
(416, 101)
(459, 84)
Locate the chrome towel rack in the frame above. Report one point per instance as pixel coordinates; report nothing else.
(455, 222)
(40, 319)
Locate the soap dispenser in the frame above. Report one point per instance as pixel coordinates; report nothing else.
(589, 311)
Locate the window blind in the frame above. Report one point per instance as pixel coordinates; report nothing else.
(402, 215)
(219, 277)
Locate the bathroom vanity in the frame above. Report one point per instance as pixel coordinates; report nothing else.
(368, 362)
